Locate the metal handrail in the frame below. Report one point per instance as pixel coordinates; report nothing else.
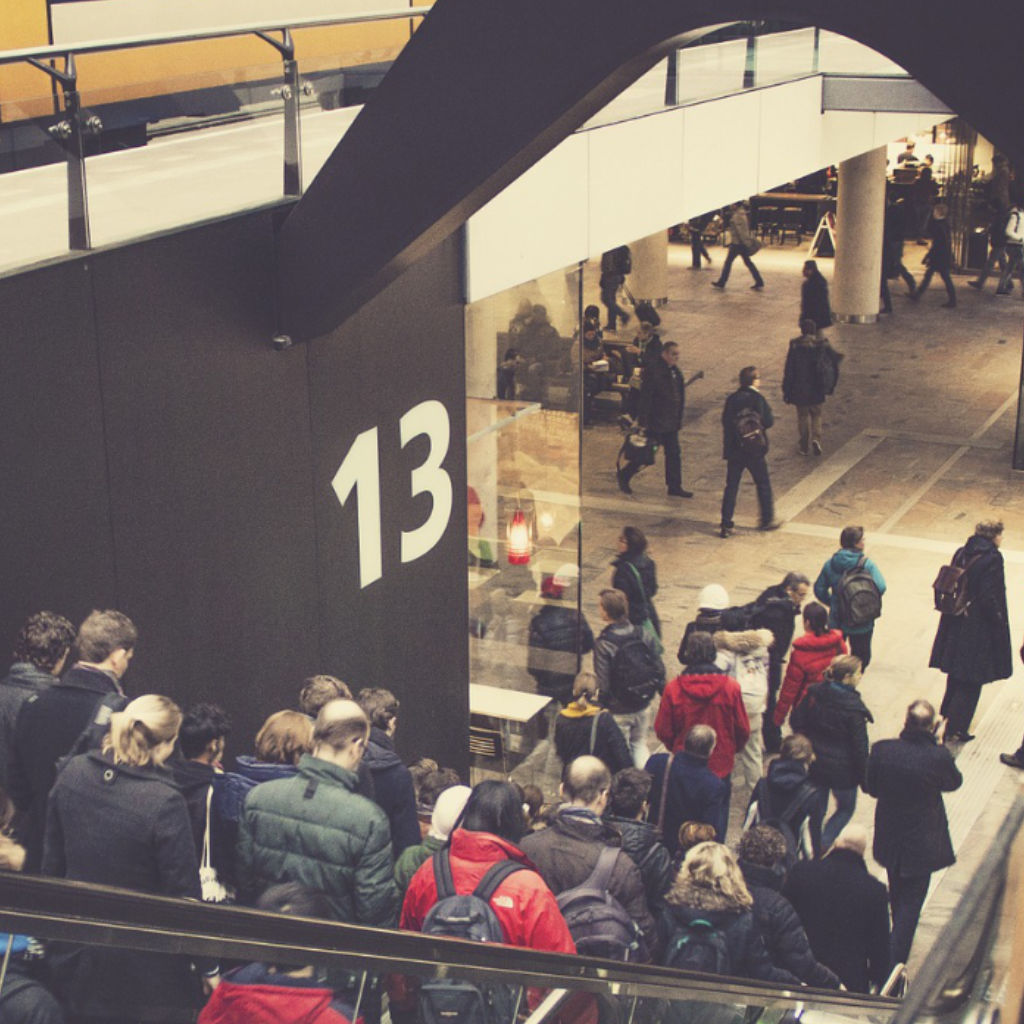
(100, 915)
(253, 28)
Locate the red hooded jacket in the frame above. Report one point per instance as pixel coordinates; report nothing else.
(251, 995)
(705, 697)
(809, 658)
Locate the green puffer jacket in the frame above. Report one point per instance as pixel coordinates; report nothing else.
(315, 829)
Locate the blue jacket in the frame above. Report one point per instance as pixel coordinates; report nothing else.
(695, 793)
(843, 560)
(393, 790)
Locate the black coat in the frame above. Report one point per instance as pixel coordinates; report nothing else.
(194, 779)
(775, 611)
(573, 733)
(662, 397)
(740, 399)
(940, 255)
(801, 380)
(975, 647)
(22, 681)
(642, 841)
(695, 793)
(393, 790)
(834, 718)
(908, 776)
(783, 934)
(845, 913)
(47, 727)
(624, 579)
(814, 304)
(557, 635)
(128, 827)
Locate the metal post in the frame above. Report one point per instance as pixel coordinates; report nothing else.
(289, 92)
(1018, 437)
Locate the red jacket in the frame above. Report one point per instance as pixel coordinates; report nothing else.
(251, 995)
(524, 905)
(707, 697)
(809, 658)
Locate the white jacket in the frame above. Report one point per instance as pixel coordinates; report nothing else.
(744, 656)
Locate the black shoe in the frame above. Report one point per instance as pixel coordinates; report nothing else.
(1012, 760)
(773, 524)
(620, 475)
(961, 737)
(757, 287)
(717, 284)
(725, 531)
(816, 447)
(680, 494)
(974, 284)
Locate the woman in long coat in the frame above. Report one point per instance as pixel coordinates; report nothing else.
(974, 648)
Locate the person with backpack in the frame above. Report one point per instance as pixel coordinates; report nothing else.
(584, 727)
(636, 575)
(615, 265)
(746, 419)
(812, 654)
(835, 719)
(811, 374)
(570, 854)
(708, 923)
(629, 670)
(762, 859)
(851, 586)
(787, 800)
(972, 644)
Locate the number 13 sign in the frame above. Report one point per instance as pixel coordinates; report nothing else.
(360, 469)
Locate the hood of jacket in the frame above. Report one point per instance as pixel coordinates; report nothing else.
(746, 641)
(827, 641)
(579, 823)
(576, 710)
(787, 775)
(190, 776)
(703, 683)
(979, 546)
(839, 695)
(319, 770)
(763, 877)
(485, 847)
(687, 896)
(846, 558)
(262, 771)
(637, 836)
(380, 751)
(25, 675)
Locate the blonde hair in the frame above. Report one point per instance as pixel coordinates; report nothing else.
(842, 668)
(142, 726)
(713, 866)
(584, 690)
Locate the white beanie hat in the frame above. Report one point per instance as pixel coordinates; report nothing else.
(714, 597)
(447, 809)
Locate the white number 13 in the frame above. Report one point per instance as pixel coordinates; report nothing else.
(360, 469)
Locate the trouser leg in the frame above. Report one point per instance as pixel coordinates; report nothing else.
(673, 459)
(907, 277)
(885, 295)
(754, 272)
(771, 733)
(947, 280)
(906, 897)
(860, 645)
(925, 281)
(803, 426)
(733, 472)
(727, 265)
(959, 705)
(814, 414)
(763, 483)
(749, 766)
(846, 804)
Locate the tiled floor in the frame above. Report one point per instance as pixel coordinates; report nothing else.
(918, 447)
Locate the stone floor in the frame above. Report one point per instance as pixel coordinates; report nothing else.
(918, 447)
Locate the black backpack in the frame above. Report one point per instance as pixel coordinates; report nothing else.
(597, 921)
(750, 431)
(697, 945)
(857, 597)
(762, 812)
(470, 917)
(950, 586)
(827, 368)
(635, 673)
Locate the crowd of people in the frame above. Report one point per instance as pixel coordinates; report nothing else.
(324, 818)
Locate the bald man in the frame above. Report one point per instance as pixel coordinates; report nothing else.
(566, 852)
(316, 830)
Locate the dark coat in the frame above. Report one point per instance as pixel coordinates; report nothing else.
(642, 841)
(573, 732)
(557, 635)
(783, 934)
(566, 852)
(845, 913)
(814, 304)
(708, 620)
(641, 602)
(777, 791)
(908, 776)
(393, 790)
(695, 793)
(124, 826)
(940, 255)
(775, 611)
(742, 398)
(662, 397)
(835, 719)
(22, 681)
(194, 779)
(801, 380)
(48, 726)
(975, 647)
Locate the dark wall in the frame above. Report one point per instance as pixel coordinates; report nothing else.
(160, 457)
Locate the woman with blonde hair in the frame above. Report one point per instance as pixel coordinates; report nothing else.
(584, 727)
(115, 817)
(707, 923)
(835, 719)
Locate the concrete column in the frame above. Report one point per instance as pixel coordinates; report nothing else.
(649, 277)
(859, 222)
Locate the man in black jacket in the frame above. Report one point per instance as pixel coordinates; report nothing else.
(627, 807)
(908, 776)
(744, 447)
(72, 713)
(662, 399)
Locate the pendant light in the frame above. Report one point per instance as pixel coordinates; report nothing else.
(518, 539)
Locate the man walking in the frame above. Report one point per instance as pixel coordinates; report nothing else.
(844, 585)
(746, 420)
(662, 399)
(811, 374)
(615, 265)
(908, 776)
(743, 244)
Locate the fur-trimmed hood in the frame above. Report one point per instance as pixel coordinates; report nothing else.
(685, 893)
(744, 641)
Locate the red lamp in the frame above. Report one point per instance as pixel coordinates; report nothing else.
(518, 539)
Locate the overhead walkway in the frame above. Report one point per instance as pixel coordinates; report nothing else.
(774, 95)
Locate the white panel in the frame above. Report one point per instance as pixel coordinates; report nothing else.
(721, 153)
(790, 132)
(636, 179)
(839, 55)
(536, 225)
(119, 19)
(645, 96)
(784, 55)
(713, 70)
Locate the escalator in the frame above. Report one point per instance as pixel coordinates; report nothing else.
(969, 976)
